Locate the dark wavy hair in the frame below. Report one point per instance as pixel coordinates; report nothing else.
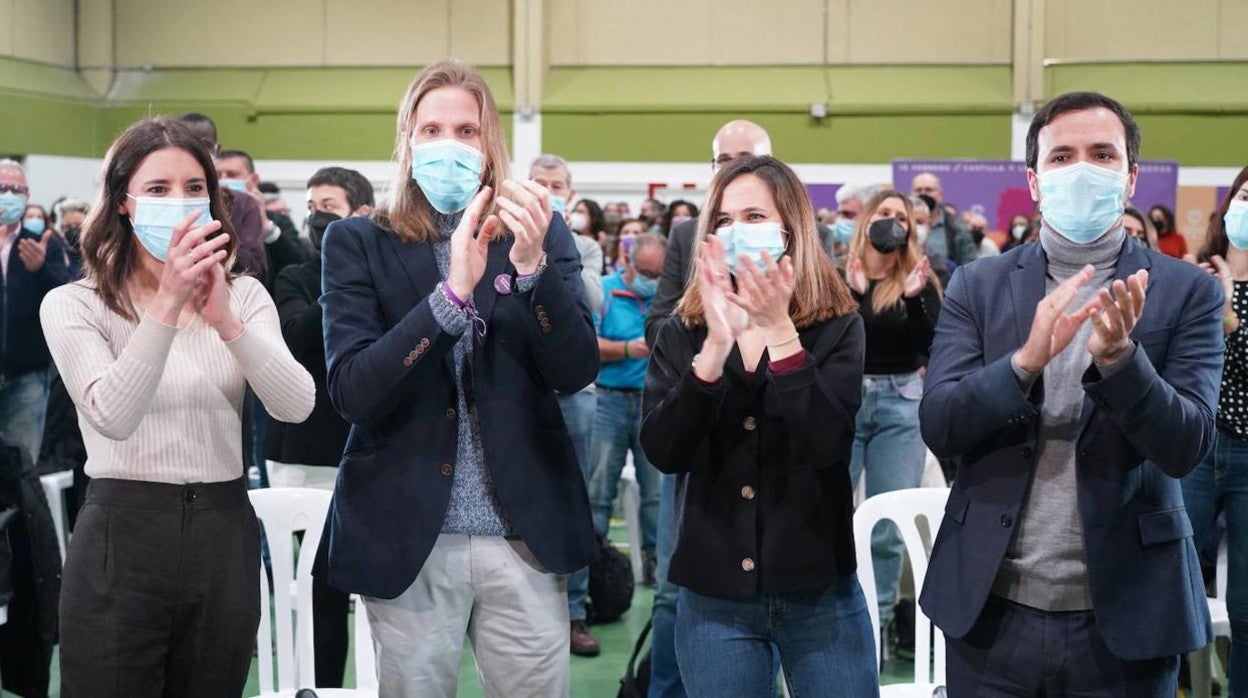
(109, 247)
(1215, 237)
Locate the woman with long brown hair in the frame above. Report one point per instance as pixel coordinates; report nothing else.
(750, 399)
(452, 318)
(1219, 485)
(161, 589)
(899, 298)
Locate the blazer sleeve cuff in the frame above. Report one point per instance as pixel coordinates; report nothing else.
(1122, 385)
(999, 390)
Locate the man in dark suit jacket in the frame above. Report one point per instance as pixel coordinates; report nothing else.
(307, 454)
(1064, 564)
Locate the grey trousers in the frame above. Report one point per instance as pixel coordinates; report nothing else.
(514, 612)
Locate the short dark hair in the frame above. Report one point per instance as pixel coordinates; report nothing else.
(251, 164)
(1079, 101)
(359, 190)
(200, 123)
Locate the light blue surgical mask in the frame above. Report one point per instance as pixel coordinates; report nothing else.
(644, 286)
(35, 225)
(843, 230)
(1082, 201)
(1236, 220)
(448, 172)
(750, 239)
(235, 184)
(154, 218)
(558, 204)
(12, 207)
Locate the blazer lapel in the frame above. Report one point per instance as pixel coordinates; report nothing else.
(497, 263)
(419, 263)
(1027, 288)
(1131, 260)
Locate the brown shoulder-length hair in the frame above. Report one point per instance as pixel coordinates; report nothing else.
(889, 291)
(1216, 241)
(819, 294)
(409, 213)
(109, 247)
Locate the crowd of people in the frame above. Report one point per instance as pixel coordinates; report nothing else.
(469, 362)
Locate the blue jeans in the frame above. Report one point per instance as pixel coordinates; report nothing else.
(887, 444)
(23, 408)
(824, 637)
(664, 672)
(617, 430)
(578, 416)
(1219, 485)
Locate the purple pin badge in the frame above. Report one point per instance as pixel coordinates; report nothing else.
(502, 284)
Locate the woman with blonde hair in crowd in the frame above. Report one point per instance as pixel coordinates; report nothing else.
(750, 399)
(161, 589)
(899, 298)
(452, 317)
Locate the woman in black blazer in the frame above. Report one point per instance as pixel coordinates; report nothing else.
(750, 397)
(452, 317)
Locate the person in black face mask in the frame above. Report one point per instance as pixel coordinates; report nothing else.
(899, 299)
(70, 215)
(307, 454)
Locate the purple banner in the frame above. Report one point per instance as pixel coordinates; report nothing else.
(998, 189)
(823, 195)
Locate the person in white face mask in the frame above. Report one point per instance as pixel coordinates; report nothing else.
(1217, 486)
(161, 586)
(452, 317)
(1076, 380)
(32, 262)
(551, 171)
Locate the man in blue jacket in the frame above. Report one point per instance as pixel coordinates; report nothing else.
(32, 265)
(1076, 380)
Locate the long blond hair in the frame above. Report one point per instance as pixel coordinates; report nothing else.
(819, 294)
(409, 214)
(889, 291)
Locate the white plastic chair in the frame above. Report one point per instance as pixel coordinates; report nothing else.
(904, 508)
(54, 487)
(1201, 661)
(630, 498)
(283, 512)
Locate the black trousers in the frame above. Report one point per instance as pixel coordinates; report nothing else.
(1015, 650)
(161, 591)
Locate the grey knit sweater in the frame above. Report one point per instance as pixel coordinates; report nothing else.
(1045, 566)
(474, 508)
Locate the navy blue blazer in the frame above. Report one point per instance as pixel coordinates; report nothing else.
(1142, 428)
(391, 376)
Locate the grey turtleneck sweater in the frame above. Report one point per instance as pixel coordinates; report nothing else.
(474, 508)
(1045, 566)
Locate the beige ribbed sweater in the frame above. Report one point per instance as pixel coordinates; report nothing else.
(162, 404)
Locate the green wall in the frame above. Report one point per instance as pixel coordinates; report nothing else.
(1196, 113)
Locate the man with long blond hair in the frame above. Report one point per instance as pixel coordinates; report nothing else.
(452, 318)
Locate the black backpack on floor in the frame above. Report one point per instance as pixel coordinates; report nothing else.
(610, 584)
(636, 681)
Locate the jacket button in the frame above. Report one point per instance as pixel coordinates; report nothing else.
(408, 362)
(1006, 521)
(446, 470)
(424, 342)
(450, 413)
(747, 564)
(747, 493)
(1027, 453)
(749, 424)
